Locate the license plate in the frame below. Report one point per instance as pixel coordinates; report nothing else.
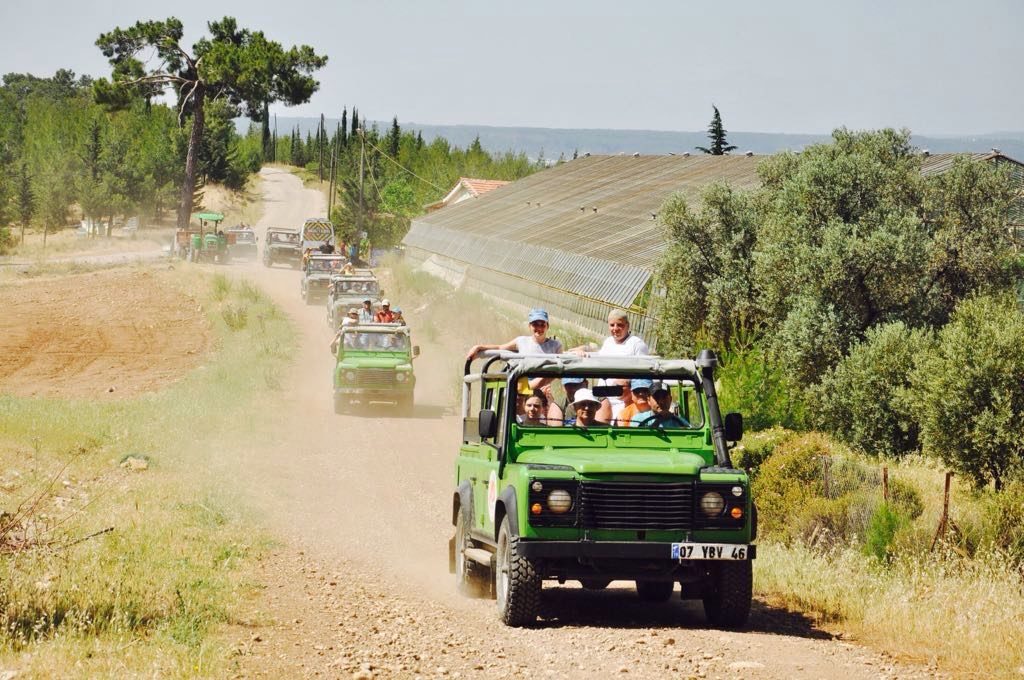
(709, 551)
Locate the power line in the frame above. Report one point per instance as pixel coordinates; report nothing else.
(383, 153)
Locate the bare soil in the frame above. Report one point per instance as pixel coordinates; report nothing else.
(106, 334)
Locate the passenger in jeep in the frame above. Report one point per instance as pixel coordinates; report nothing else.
(586, 409)
(535, 343)
(536, 408)
(660, 414)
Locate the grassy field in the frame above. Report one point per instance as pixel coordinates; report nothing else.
(121, 553)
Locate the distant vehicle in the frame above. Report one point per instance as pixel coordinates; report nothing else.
(316, 276)
(373, 362)
(349, 290)
(244, 245)
(317, 232)
(282, 245)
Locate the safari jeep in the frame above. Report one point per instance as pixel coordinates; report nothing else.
(657, 505)
(316, 276)
(348, 291)
(282, 245)
(374, 363)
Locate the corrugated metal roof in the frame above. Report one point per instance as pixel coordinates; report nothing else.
(937, 163)
(601, 206)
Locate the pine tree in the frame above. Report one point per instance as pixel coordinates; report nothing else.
(716, 133)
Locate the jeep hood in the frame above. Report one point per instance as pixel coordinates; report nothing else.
(609, 461)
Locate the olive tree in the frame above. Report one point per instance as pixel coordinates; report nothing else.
(969, 391)
(236, 65)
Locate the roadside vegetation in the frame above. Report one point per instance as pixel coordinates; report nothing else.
(119, 550)
(871, 311)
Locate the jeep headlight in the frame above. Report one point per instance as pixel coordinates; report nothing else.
(400, 377)
(350, 376)
(712, 504)
(559, 501)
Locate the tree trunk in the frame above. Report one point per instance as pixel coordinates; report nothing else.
(188, 186)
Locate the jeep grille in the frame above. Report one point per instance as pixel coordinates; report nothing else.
(637, 505)
(375, 377)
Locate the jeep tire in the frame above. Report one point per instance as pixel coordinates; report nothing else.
(516, 581)
(654, 591)
(471, 578)
(728, 594)
(340, 404)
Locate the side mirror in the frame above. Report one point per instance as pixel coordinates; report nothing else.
(488, 424)
(733, 427)
(415, 350)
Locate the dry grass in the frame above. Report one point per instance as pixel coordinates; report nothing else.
(145, 598)
(966, 615)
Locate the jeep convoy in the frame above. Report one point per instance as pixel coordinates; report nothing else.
(656, 505)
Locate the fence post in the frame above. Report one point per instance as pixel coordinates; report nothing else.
(885, 483)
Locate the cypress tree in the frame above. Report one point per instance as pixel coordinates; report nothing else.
(394, 138)
(355, 121)
(268, 152)
(344, 127)
(716, 133)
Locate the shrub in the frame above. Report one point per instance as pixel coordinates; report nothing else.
(236, 318)
(969, 391)
(757, 447)
(862, 401)
(885, 522)
(756, 386)
(221, 287)
(813, 490)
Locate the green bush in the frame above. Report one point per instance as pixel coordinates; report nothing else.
(969, 390)
(905, 498)
(236, 318)
(756, 386)
(757, 447)
(813, 490)
(862, 401)
(885, 522)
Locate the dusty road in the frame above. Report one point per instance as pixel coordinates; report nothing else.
(360, 588)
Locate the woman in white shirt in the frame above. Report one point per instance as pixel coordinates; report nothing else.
(535, 343)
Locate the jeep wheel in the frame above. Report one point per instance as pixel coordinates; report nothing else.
(729, 593)
(470, 578)
(517, 583)
(405, 405)
(340, 404)
(654, 591)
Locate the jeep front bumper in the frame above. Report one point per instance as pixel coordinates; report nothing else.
(617, 550)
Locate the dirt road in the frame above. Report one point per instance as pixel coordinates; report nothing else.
(360, 587)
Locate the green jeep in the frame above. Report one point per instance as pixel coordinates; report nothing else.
(374, 363)
(657, 504)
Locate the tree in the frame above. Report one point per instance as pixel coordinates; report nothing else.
(25, 199)
(239, 66)
(394, 138)
(344, 128)
(716, 133)
(969, 391)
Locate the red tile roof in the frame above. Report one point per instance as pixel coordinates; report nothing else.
(481, 186)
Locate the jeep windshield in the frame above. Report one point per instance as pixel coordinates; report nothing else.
(355, 287)
(325, 265)
(285, 239)
(388, 340)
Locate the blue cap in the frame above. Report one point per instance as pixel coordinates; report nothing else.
(397, 310)
(573, 380)
(537, 315)
(640, 384)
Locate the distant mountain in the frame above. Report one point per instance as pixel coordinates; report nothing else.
(555, 142)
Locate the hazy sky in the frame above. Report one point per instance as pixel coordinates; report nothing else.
(935, 66)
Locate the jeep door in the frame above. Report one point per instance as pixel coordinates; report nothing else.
(479, 462)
